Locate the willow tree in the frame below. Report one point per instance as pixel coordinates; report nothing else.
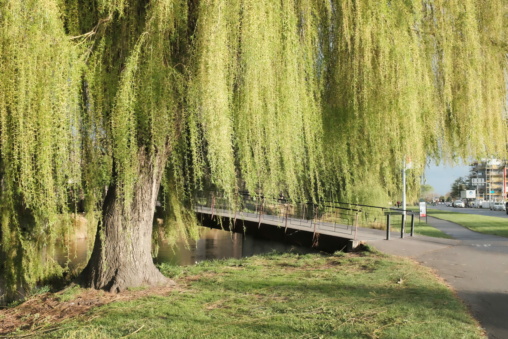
(411, 79)
(108, 100)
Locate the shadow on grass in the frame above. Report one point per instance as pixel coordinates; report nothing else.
(358, 296)
(256, 308)
(404, 298)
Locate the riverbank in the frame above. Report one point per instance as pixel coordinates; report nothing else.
(364, 294)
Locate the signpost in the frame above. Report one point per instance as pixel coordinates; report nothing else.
(468, 194)
(423, 209)
(478, 182)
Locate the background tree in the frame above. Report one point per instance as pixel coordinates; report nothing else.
(426, 192)
(458, 186)
(117, 98)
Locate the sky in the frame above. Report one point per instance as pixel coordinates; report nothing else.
(442, 177)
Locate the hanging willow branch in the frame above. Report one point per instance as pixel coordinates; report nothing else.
(305, 97)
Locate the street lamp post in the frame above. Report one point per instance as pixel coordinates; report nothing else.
(404, 186)
(406, 164)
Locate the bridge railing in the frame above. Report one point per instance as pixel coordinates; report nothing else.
(378, 217)
(337, 217)
(302, 215)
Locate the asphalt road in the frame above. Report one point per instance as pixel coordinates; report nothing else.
(475, 265)
(479, 211)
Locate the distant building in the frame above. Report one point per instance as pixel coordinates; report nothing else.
(488, 178)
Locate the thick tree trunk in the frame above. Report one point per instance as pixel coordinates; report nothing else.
(121, 257)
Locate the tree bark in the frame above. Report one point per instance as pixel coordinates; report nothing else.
(121, 257)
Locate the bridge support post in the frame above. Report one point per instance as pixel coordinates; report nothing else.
(388, 226)
(286, 216)
(356, 225)
(261, 212)
(213, 205)
(352, 245)
(403, 225)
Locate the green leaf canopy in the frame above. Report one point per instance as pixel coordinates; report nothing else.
(306, 97)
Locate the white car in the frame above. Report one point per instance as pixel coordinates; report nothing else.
(498, 206)
(459, 203)
(477, 204)
(485, 204)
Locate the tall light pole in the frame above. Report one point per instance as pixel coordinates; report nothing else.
(406, 164)
(404, 186)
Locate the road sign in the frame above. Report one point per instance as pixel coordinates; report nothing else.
(423, 209)
(468, 194)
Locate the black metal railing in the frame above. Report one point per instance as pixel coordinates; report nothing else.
(337, 217)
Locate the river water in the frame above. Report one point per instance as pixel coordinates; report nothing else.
(219, 244)
(212, 244)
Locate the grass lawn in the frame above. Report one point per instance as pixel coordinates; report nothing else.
(479, 223)
(421, 227)
(356, 295)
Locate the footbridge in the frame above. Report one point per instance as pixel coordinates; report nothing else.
(350, 223)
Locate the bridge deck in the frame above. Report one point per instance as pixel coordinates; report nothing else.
(314, 226)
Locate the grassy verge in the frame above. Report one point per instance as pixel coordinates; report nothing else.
(421, 227)
(363, 295)
(479, 223)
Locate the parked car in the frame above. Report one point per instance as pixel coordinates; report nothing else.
(498, 206)
(449, 204)
(476, 203)
(459, 203)
(485, 204)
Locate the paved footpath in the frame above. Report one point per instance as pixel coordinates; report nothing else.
(474, 264)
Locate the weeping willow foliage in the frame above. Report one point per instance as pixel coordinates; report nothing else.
(39, 133)
(409, 79)
(257, 96)
(310, 98)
